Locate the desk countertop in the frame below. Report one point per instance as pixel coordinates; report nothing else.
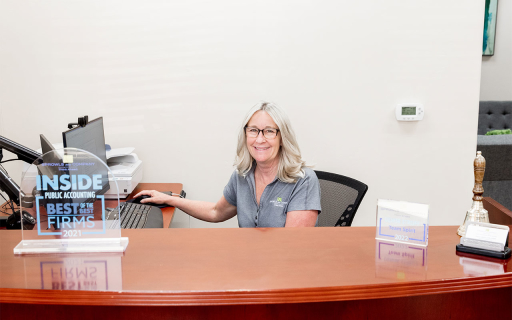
(249, 266)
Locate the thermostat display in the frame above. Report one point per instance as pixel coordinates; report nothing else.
(409, 112)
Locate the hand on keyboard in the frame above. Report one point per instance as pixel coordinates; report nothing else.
(154, 197)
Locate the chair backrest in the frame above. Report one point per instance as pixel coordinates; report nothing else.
(340, 199)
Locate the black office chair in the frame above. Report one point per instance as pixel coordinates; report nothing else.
(340, 199)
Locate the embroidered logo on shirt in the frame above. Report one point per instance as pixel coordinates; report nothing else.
(279, 202)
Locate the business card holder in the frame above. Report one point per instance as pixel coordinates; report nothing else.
(486, 239)
(505, 254)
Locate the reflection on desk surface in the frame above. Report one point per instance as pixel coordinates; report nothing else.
(400, 261)
(98, 272)
(476, 267)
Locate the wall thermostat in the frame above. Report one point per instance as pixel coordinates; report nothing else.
(409, 112)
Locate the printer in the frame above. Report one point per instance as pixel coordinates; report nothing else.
(127, 170)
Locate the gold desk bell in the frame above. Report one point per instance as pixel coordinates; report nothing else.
(477, 212)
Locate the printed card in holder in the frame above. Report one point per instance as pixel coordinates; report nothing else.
(485, 239)
(401, 221)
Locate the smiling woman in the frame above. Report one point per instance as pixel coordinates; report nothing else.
(271, 186)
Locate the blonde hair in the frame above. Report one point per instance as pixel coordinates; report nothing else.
(290, 167)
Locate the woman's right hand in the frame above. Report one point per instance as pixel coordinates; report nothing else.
(156, 197)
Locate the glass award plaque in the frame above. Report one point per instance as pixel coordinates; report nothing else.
(64, 191)
(403, 222)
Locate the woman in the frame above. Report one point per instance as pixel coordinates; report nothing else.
(271, 187)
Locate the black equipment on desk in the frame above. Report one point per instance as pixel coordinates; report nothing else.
(14, 220)
(89, 136)
(82, 122)
(136, 216)
(23, 153)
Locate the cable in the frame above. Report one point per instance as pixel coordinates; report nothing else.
(3, 197)
(10, 160)
(9, 205)
(9, 202)
(2, 167)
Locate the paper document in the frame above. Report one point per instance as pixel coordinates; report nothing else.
(487, 234)
(119, 152)
(416, 209)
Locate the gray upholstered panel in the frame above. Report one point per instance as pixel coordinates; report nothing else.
(500, 191)
(497, 151)
(494, 115)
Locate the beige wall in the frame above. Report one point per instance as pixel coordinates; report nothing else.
(175, 79)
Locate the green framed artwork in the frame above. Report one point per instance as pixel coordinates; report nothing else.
(491, 10)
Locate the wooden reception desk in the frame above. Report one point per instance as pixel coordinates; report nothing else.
(257, 273)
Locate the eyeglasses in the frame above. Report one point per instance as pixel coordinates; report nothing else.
(268, 133)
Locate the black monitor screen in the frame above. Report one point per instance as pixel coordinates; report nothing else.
(89, 138)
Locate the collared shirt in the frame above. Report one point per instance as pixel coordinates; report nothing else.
(276, 201)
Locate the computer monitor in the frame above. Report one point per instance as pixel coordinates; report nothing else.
(46, 147)
(90, 137)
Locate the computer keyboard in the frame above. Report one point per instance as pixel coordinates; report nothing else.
(135, 216)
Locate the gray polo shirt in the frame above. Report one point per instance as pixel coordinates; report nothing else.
(277, 199)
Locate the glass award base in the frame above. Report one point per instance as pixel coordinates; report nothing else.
(72, 245)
